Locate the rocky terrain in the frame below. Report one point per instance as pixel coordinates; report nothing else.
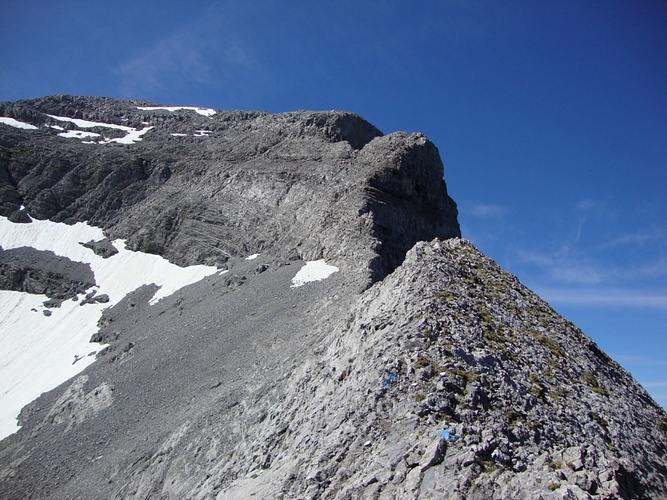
(419, 370)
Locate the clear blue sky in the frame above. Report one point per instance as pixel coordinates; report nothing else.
(550, 116)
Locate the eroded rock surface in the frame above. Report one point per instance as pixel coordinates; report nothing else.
(315, 184)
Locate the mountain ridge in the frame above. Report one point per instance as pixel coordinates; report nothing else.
(249, 166)
(420, 369)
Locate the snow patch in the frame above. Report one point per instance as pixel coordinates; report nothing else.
(252, 257)
(202, 111)
(314, 270)
(16, 124)
(88, 124)
(37, 353)
(132, 135)
(202, 133)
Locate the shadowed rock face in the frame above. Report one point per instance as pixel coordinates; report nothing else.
(240, 385)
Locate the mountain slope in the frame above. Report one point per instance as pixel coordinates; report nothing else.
(419, 369)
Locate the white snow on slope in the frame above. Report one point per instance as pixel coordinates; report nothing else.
(202, 111)
(37, 353)
(132, 134)
(131, 137)
(88, 124)
(15, 123)
(314, 270)
(252, 257)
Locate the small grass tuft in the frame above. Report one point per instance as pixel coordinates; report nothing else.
(592, 382)
(662, 425)
(601, 422)
(488, 467)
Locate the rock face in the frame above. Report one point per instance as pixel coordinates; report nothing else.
(420, 370)
(39, 272)
(302, 185)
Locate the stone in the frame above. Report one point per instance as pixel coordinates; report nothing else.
(434, 454)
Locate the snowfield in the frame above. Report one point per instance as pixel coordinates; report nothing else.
(132, 134)
(314, 270)
(202, 111)
(16, 124)
(39, 352)
(88, 124)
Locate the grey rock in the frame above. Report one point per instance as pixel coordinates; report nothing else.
(103, 248)
(43, 272)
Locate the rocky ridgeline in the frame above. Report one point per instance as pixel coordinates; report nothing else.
(426, 374)
(447, 380)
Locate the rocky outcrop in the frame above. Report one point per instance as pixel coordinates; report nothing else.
(426, 374)
(40, 272)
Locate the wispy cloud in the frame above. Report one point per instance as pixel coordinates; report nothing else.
(585, 205)
(205, 51)
(628, 359)
(580, 229)
(639, 237)
(603, 296)
(177, 56)
(562, 266)
(486, 211)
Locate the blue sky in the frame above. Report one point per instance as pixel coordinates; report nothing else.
(550, 117)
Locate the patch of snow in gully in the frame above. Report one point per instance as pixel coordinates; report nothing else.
(131, 137)
(37, 353)
(88, 124)
(132, 134)
(202, 111)
(252, 257)
(16, 124)
(314, 270)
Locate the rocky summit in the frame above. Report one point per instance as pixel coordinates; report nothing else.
(340, 339)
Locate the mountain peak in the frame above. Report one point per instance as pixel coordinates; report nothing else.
(335, 337)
